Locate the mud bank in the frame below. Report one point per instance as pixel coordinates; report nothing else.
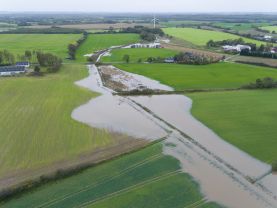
(221, 169)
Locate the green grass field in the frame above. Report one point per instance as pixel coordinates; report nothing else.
(201, 37)
(36, 123)
(138, 53)
(239, 26)
(213, 76)
(246, 119)
(270, 28)
(143, 179)
(53, 43)
(97, 42)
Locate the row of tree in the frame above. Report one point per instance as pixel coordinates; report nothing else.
(196, 59)
(147, 34)
(265, 83)
(6, 58)
(52, 62)
(258, 53)
(72, 48)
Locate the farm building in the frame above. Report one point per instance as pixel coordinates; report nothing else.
(12, 70)
(237, 48)
(146, 45)
(169, 60)
(25, 64)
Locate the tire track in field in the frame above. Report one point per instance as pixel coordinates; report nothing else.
(102, 181)
(130, 188)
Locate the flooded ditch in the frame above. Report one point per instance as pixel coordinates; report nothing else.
(224, 173)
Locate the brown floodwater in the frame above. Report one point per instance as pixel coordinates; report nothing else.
(221, 170)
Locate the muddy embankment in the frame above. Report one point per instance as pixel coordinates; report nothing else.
(225, 174)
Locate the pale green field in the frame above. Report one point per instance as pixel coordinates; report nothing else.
(97, 42)
(201, 37)
(270, 28)
(36, 124)
(53, 43)
(138, 53)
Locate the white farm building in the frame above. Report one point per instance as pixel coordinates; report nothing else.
(144, 45)
(12, 70)
(237, 48)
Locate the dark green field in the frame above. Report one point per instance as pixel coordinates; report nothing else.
(246, 119)
(213, 76)
(143, 179)
(138, 53)
(97, 42)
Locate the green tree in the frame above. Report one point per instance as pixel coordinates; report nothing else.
(126, 58)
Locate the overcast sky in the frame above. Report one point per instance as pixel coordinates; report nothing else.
(140, 5)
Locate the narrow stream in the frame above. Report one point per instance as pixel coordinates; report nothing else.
(222, 170)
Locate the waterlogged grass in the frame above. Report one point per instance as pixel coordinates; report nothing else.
(138, 53)
(201, 37)
(143, 179)
(53, 43)
(213, 76)
(246, 119)
(36, 124)
(97, 42)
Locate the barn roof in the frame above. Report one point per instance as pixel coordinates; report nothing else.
(12, 68)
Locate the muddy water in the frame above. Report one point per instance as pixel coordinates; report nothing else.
(175, 109)
(210, 167)
(217, 182)
(116, 113)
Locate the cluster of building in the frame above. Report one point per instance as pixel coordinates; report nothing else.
(18, 68)
(144, 45)
(236, 48)
(273, 50)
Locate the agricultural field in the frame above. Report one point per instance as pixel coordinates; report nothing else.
(239, 27)
(201, 37)
(97, 42)
(53, 43)
(270, 28)
(36, 124)
(246, 119)
(181, 22)
(138, 53)
(212, 76)
(146, 178)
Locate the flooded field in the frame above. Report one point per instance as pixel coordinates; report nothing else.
(225, 173)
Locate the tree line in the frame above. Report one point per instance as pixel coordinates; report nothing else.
(147, 34)
(72, 48)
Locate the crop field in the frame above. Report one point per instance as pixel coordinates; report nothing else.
(213, 76)
(53, 43)
(201, 37)
(36, 124)
(246, 119)
(145, 178)
(270, 28)
(239, 26)
(138, 53)
(97, 42)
